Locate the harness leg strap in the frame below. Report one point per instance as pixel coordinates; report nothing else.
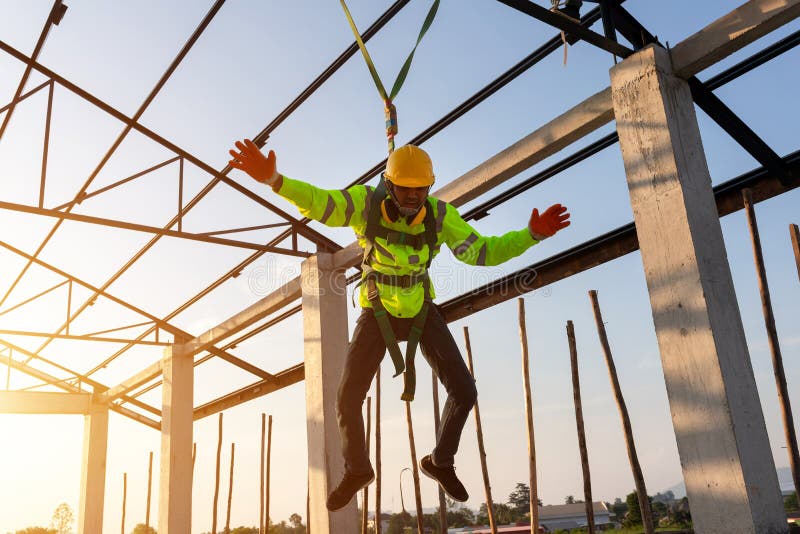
(414, 336)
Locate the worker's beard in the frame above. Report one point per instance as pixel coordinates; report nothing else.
(405, 211)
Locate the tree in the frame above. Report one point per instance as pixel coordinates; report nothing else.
(458, 515)
(790, 502)
(398, 522)
(245, 530)
(569, 499)
(634, 515)
(141, 528)
(296, 520)
(519, 499)
(62, 519)
(36, 530)
(503, 514)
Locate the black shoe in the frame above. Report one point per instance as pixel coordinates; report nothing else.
(446, 477)
(347, 489)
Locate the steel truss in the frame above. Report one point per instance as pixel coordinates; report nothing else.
(777, 175)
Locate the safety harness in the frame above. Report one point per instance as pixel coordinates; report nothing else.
(372, 278)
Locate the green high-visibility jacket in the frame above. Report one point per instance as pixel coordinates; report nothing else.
(349, 207)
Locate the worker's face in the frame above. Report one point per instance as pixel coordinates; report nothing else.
(410, 197)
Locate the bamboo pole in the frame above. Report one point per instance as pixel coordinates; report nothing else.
(378, 524)
(124, 498)
(230, 491)
(216, 480)
(774, 343)
(261, 528)
(436, 422)
(576, 393)
(194, 457)
(533, 494)
(149, 492)
(795, 233)
(365, 495)
(415, 469)
(487, 487)
(269, 465)
(636, 468)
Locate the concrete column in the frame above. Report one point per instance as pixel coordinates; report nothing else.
(325, 338)
(175, 485)
(722, 440)
(93, 472)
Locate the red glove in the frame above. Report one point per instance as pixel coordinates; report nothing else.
(252, 161)
(548, 223)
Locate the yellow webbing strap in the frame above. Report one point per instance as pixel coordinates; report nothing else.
(389, 109)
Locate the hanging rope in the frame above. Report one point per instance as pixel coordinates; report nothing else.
(556, 8)
(388, 106)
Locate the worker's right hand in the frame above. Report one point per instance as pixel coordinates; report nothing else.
(248, 158)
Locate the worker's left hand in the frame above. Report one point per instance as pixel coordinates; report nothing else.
(555, 218)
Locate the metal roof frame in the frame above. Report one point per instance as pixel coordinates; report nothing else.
(777, 175)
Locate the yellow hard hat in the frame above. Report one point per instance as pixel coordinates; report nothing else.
(409, 166)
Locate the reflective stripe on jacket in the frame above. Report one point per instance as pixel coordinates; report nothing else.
(348, 207)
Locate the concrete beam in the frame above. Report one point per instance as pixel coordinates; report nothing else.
(57, 382)
(325, 340)
(285, 378)
(142, 377)
(247, 317)
(719, 426)
(41, 402)
(742, 26)
(175, 480)
(93, 471)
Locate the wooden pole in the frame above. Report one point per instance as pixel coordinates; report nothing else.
(774, 344)
(636, 468)
(415, 469)
(124, 498)
(216, 480)
(487, 487)
(576, 393)
(8, 370)
(365, 495)
(795, 233)
(378, 525)
(149, 492)
(261, 528)
(526, 382)
(230, 491)
(269, 465)
(436, 422)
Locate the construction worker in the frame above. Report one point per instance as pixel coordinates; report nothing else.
(401, 229)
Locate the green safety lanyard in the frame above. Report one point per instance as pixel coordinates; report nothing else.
(389, 109)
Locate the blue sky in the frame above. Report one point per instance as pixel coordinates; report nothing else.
(253, 59)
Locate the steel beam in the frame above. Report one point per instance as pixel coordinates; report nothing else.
(607, 247)
(565, 24)
(54, 17)
(161, 232)
(161, 324)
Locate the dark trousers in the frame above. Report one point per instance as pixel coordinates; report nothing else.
(365, 353)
